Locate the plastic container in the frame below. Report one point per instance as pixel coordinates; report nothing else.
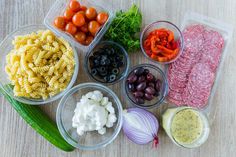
(6, 46)
(162, 24)
(58, 9)
(226, 31)
(123, 70)
(65, 112)
(157, 101)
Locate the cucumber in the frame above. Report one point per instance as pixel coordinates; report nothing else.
(40, 122)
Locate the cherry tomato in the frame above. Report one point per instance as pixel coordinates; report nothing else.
(88, 40)
(68, 14)
(91, 13)
(102, 17)
(93, 27)
(83, 8)
(60, 22)
(78, 19)
(80, 37)
(71, 28)
(74, 5)
(84, 28)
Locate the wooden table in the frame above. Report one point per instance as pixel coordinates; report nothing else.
(17, 139)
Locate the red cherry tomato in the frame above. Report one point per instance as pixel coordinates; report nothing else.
(93, 27)
(102, 17)
(88, 40)
(68, 14)
(71, 28)
(78, 19)
(91, 13)
(60, 22)
(83, 8)
(80, 37)
(74, 5)
(84, 28)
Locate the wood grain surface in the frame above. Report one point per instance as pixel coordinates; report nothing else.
(17, 139)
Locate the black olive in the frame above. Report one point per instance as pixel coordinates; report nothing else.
(94, 72)
(115, 71)
(112, 78)
(101, 69)
(106, 78)
(114, 64)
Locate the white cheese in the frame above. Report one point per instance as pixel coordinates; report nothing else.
(93, 113)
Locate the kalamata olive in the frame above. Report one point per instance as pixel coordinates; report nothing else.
(158, 85)
(139, 100)
(149, 77)
(148, 96)
(141, 79)
(131, 87)
(146, 71)
(138, 94)
(141, 86)
(132, 78)
(150, 90)
(139, 71)
(151, 84)
(156, 94)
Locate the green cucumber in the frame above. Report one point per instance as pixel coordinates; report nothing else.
(40, 122)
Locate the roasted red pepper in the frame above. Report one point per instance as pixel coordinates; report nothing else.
(160, 45)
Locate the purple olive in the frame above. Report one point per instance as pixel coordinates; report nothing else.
(132, 78)
(150, 90)
(146, 71)
(158, 85)
(141, 79)
(131, 87)
(156, 94)
(139, 71)
(149, 77)
(151, 84)
(141, 86)
(148, 97)
(138, 94)
(139, 100)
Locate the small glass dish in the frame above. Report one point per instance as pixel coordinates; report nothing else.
(59, 8)
(159, 74)
(167, 25)
(6, 46)
(123, 70)
(90, 140)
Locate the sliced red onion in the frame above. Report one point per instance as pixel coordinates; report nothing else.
(140, 126)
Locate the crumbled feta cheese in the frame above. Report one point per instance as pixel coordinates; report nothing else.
(93, 112)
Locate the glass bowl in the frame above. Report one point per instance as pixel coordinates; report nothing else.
(123, 70)
(158, 73)
(90, 140)
(163, 24)
(6, 46)
(60, 6)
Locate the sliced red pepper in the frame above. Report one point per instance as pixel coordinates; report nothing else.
(165, 50)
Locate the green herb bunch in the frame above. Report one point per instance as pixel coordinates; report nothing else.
(124, 28)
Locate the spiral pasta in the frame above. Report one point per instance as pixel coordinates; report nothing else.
(40, 65)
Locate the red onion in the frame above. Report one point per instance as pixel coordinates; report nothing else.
(140, 126)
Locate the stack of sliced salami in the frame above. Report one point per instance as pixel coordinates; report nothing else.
(191, 77)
